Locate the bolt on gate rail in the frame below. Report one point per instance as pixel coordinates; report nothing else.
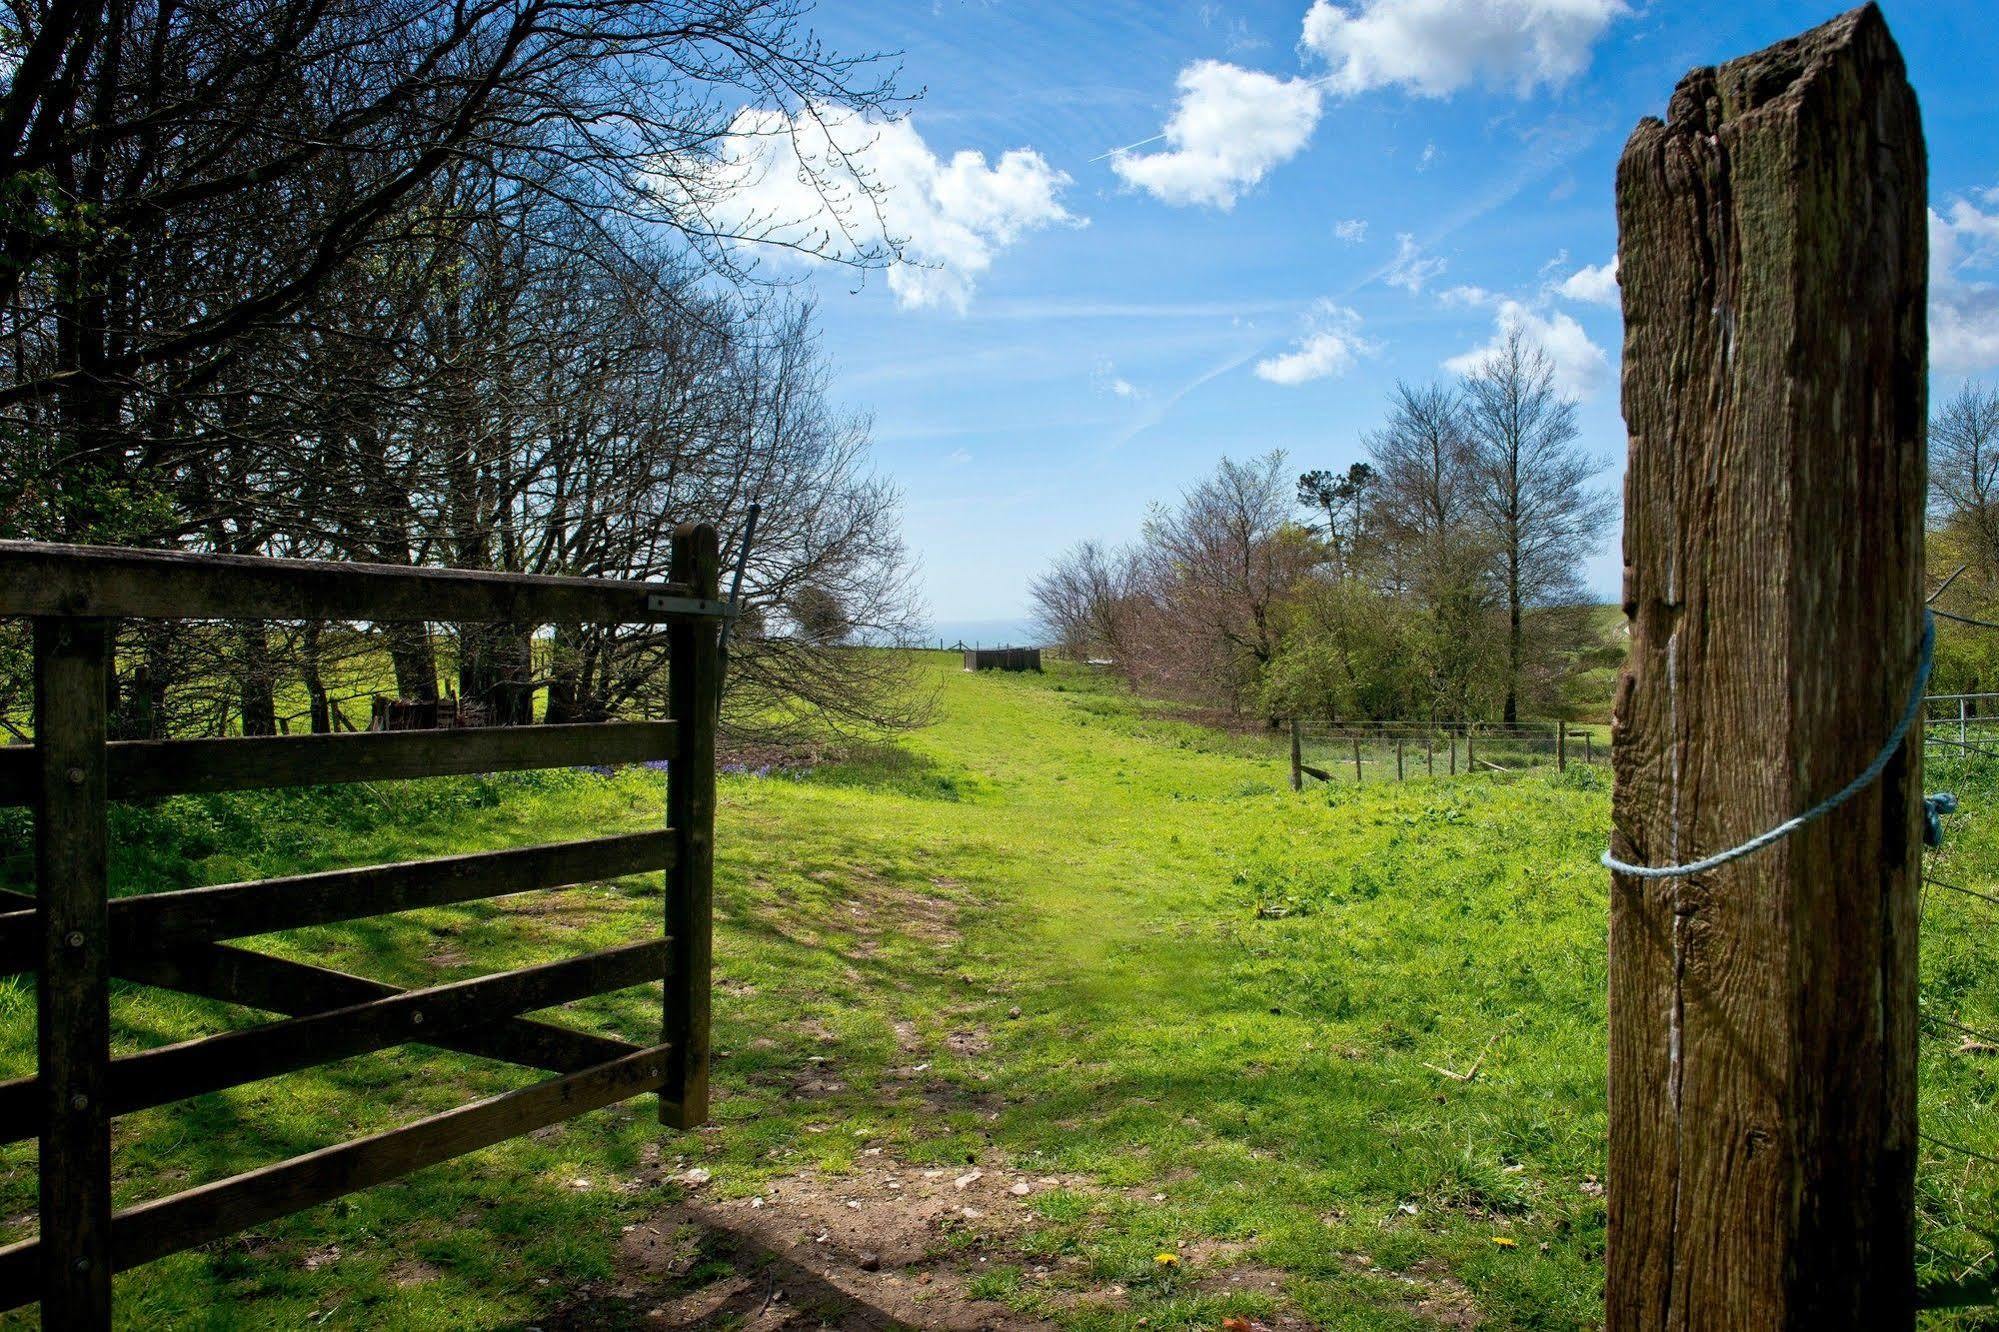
(77, 938)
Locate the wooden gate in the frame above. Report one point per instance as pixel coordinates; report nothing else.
(77, 939)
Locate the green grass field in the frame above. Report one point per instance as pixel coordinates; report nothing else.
(1059, 1010)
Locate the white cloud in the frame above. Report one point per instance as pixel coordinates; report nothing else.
(1434, 47)
(959, 457)
(1594, 284)
(1580, 365)
(1429, 156)
(1964, 329)
(801, 182)
(1964, 308)
(1241, 37)
(1466, 295)
(1330, 346)
(1352, 230)
(1107, 380)
(1229, 128)
(1409, 269)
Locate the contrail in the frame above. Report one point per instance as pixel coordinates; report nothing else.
(1127, 148)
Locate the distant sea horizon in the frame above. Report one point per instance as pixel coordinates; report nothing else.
(1017, 632)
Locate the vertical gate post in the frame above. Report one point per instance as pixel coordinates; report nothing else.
(694, 685)
(1762, 1015)
(1561, 746)
(1297, 758)
(73, 1006)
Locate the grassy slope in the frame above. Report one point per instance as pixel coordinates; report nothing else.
(1227, 997)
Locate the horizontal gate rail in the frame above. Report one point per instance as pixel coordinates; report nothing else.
(239, 976)
(147, 769)
(115, 582)
(75, 938)
(234, 1058)
(280, 985)
(179, 1221)
(264, 906)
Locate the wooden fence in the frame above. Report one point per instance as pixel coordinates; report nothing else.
(76, 938)
(1399, 750)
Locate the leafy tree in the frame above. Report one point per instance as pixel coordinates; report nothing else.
(1342, 497)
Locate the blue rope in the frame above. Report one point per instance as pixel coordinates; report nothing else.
(1943, 803)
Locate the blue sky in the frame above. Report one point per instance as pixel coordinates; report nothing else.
(1347, 194)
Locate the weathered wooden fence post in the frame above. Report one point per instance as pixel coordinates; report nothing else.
(1561, 746)
(1398, 758)
(73, 1008)
(1297, 758)
(1762, 1015)
(1356, 760)
(694, 684)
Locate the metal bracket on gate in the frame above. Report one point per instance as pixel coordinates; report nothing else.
(689, 606)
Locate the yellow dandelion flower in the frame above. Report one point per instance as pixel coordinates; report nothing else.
(1167, 1259)
(1505, 1243)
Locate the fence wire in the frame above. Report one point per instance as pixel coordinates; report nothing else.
(1957, 1170)
(1389, 751)
(1957, 1173)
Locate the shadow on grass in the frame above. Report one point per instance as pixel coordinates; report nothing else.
(889, 768)
(733, 1279)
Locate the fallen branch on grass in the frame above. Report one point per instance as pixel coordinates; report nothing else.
(1470, 1073)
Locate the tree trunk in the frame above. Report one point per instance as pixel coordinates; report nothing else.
(1513, 619)
(315, 687)
(414, 657)
(255, 692)
(139, 709)
(496, 671)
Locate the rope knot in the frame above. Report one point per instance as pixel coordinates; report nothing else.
(1934, 808)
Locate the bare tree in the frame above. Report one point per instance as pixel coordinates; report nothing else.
(182, 176)
(1216, 568)
(1531, 489)
(1964, 471)
(1086, 600)
(423, 284)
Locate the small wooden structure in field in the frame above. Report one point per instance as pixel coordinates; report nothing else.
(1003, 659)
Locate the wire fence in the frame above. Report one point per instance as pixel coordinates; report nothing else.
(1957, 1175)
(1393, 751)
(1957, 1172)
